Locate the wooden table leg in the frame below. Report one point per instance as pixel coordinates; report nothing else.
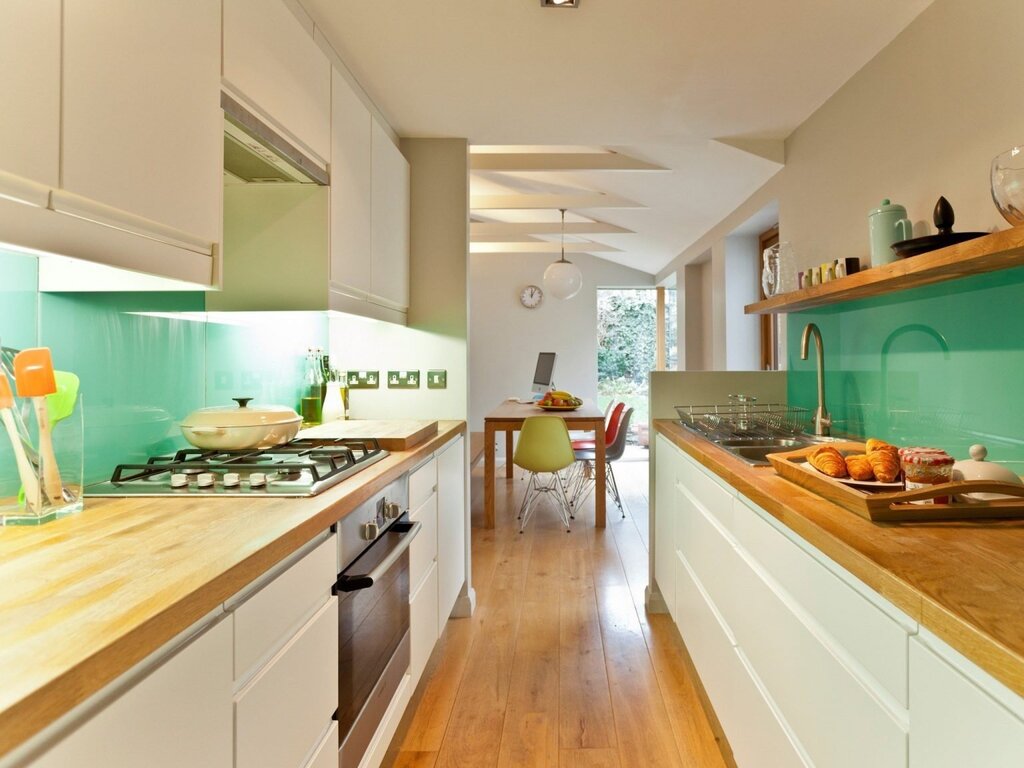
(488, 475)
(508, 452)
(599, 469)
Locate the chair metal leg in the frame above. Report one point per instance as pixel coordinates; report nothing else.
(526, 495)
(566, 508)
(613, 487)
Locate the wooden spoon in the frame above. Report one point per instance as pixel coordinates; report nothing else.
(29, 481)
(33, 375)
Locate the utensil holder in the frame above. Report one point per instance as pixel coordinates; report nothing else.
(68, 447)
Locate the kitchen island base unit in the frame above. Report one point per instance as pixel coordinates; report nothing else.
(802, 662)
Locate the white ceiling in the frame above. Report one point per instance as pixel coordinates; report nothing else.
(658, 80)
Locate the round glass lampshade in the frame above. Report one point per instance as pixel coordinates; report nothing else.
(563, 279)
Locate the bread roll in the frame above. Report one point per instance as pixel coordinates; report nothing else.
(859, 467)
(828, 460)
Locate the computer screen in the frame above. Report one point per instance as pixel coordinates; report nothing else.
(545, 368)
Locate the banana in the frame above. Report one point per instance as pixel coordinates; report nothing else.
(563, 394)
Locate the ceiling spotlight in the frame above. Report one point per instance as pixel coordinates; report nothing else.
(559, 3)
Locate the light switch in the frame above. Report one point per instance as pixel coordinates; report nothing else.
(437, 379)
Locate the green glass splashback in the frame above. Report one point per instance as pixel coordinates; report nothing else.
(941, 365)
(146, 360)
(141, 369)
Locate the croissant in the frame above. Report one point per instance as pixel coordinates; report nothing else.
(859, 467)
(827, 459)
(873, 445)
(885, 464)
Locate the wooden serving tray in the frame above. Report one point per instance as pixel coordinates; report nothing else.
(896, 506)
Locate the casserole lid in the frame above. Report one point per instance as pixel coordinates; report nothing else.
(976, 468)
(241, 415)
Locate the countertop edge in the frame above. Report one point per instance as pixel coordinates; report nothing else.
(61, 693)
(966, 635)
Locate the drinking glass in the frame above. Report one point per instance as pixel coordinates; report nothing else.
(1008, 184)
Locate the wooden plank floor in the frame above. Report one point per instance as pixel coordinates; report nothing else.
(560, 666)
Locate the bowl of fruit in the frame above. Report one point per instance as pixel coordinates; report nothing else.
(559, 401)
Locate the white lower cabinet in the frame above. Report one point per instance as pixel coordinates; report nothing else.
(326, 753)
(423, 629)
(665, 517)
(451, 519)
(961, 716)
(801, 666)
(283, 712)
(757, 734)
(178, 714)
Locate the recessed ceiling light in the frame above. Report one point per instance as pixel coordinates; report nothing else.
(560, 3)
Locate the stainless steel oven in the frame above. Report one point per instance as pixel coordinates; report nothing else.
(373, 607)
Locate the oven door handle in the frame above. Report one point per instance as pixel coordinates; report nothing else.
(348, 583)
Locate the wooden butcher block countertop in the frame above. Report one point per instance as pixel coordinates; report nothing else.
(964, 581)
(85, 598)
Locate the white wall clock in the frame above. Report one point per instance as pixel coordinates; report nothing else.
(531, 296)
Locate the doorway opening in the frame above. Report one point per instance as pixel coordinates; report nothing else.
(636, 334)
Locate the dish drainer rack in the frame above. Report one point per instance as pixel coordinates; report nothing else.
(745, 418)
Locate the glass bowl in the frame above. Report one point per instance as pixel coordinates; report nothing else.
(1008, 184)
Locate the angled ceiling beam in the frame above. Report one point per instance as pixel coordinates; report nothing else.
(515, 229)
(541, 247)
(558, 161)
(569, 202)
(768, 149)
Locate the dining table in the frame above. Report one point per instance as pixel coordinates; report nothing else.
(509, 416)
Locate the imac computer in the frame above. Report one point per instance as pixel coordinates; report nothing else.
(542, 374)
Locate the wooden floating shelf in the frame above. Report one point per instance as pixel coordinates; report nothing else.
(1000, 250)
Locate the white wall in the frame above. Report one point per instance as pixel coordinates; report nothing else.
(923, 118)
(742, 332)
(362, 344)
(506, 337)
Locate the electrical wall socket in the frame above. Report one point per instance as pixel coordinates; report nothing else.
(403, 379)
(437, 379)
(363, 379)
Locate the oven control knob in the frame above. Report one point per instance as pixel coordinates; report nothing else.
(205, 480)
(370, 530)
(392, 510)
(179, 480)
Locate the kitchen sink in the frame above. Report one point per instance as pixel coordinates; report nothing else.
(755, 450)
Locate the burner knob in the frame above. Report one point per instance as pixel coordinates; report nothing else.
(391, 510)
(257, 480)
(230, 479)
(370, 530)
(179, 480)
(205, 480)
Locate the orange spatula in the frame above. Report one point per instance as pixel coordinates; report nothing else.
(28, 477)
(33, 375)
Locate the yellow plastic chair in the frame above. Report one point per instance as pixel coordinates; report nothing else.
(544, 448)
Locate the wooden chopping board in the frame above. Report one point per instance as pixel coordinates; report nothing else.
(392, 434)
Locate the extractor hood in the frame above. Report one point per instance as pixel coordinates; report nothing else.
(254, 153)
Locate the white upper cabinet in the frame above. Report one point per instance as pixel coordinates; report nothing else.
(142, 125)
(271, 61)
(389, 220)
(351, 187)
(30, 91)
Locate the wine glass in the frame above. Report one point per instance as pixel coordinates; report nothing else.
(1008, 184)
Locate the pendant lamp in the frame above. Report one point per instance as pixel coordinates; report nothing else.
(563, 279)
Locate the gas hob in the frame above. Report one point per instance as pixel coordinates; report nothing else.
(302, 467)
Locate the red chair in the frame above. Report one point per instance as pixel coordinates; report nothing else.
(611, 428)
